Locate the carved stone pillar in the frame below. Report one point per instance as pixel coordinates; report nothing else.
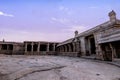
(65, 48)
(25, 47)
(83, 45)
(0, 46)
(77, 47)
(112, 51)
(54, 47)
(48, 47)
(38, 48)
(100, 52)
(32, 46)
(74, 47)
(69, 48)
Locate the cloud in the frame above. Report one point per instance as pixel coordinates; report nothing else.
(62, 8)
(5, 14)
(60, 20)
(65, 10)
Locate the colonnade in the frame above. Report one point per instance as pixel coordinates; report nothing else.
(39, 46)
(70, 47)
(6, 47)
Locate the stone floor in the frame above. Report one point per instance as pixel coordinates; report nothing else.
(55, 68)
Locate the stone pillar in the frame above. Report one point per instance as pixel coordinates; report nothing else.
(25, 47)
(99, 54)
(69, 48)
(38, 48)
(112, 51)
(48, 47)
(77, 46)
(65, 48)
(83, 45)
(74, 47)
(60, 49)
(98, 48)
(54, 47)
(0, 47)
(7, 46)
(32, 46)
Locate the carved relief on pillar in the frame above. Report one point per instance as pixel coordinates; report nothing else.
(100, 52)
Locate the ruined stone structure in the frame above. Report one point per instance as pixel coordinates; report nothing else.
(11, 48)
(28, 48)
(40, 48)
(102, 42)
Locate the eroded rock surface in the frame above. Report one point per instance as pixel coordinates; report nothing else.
(55, 68)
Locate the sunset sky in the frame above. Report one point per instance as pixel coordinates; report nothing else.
(51, 20)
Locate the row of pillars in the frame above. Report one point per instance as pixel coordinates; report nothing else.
(71, 47)
(6, 47)
(38, 46)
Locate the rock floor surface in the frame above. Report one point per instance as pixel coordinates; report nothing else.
(55, 68)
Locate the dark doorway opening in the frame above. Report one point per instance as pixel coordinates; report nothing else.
(71, 45)
(4, 46)
(92, 46)
(29, 47)
(10, 47)
(35, 46)
(51, 47)
(107, 52)
(43, 47)
(116, 45)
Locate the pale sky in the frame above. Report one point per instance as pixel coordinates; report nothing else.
(51, 20)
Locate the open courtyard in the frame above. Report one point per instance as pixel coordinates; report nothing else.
(55, 68)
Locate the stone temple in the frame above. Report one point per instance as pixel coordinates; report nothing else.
(101, 42)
